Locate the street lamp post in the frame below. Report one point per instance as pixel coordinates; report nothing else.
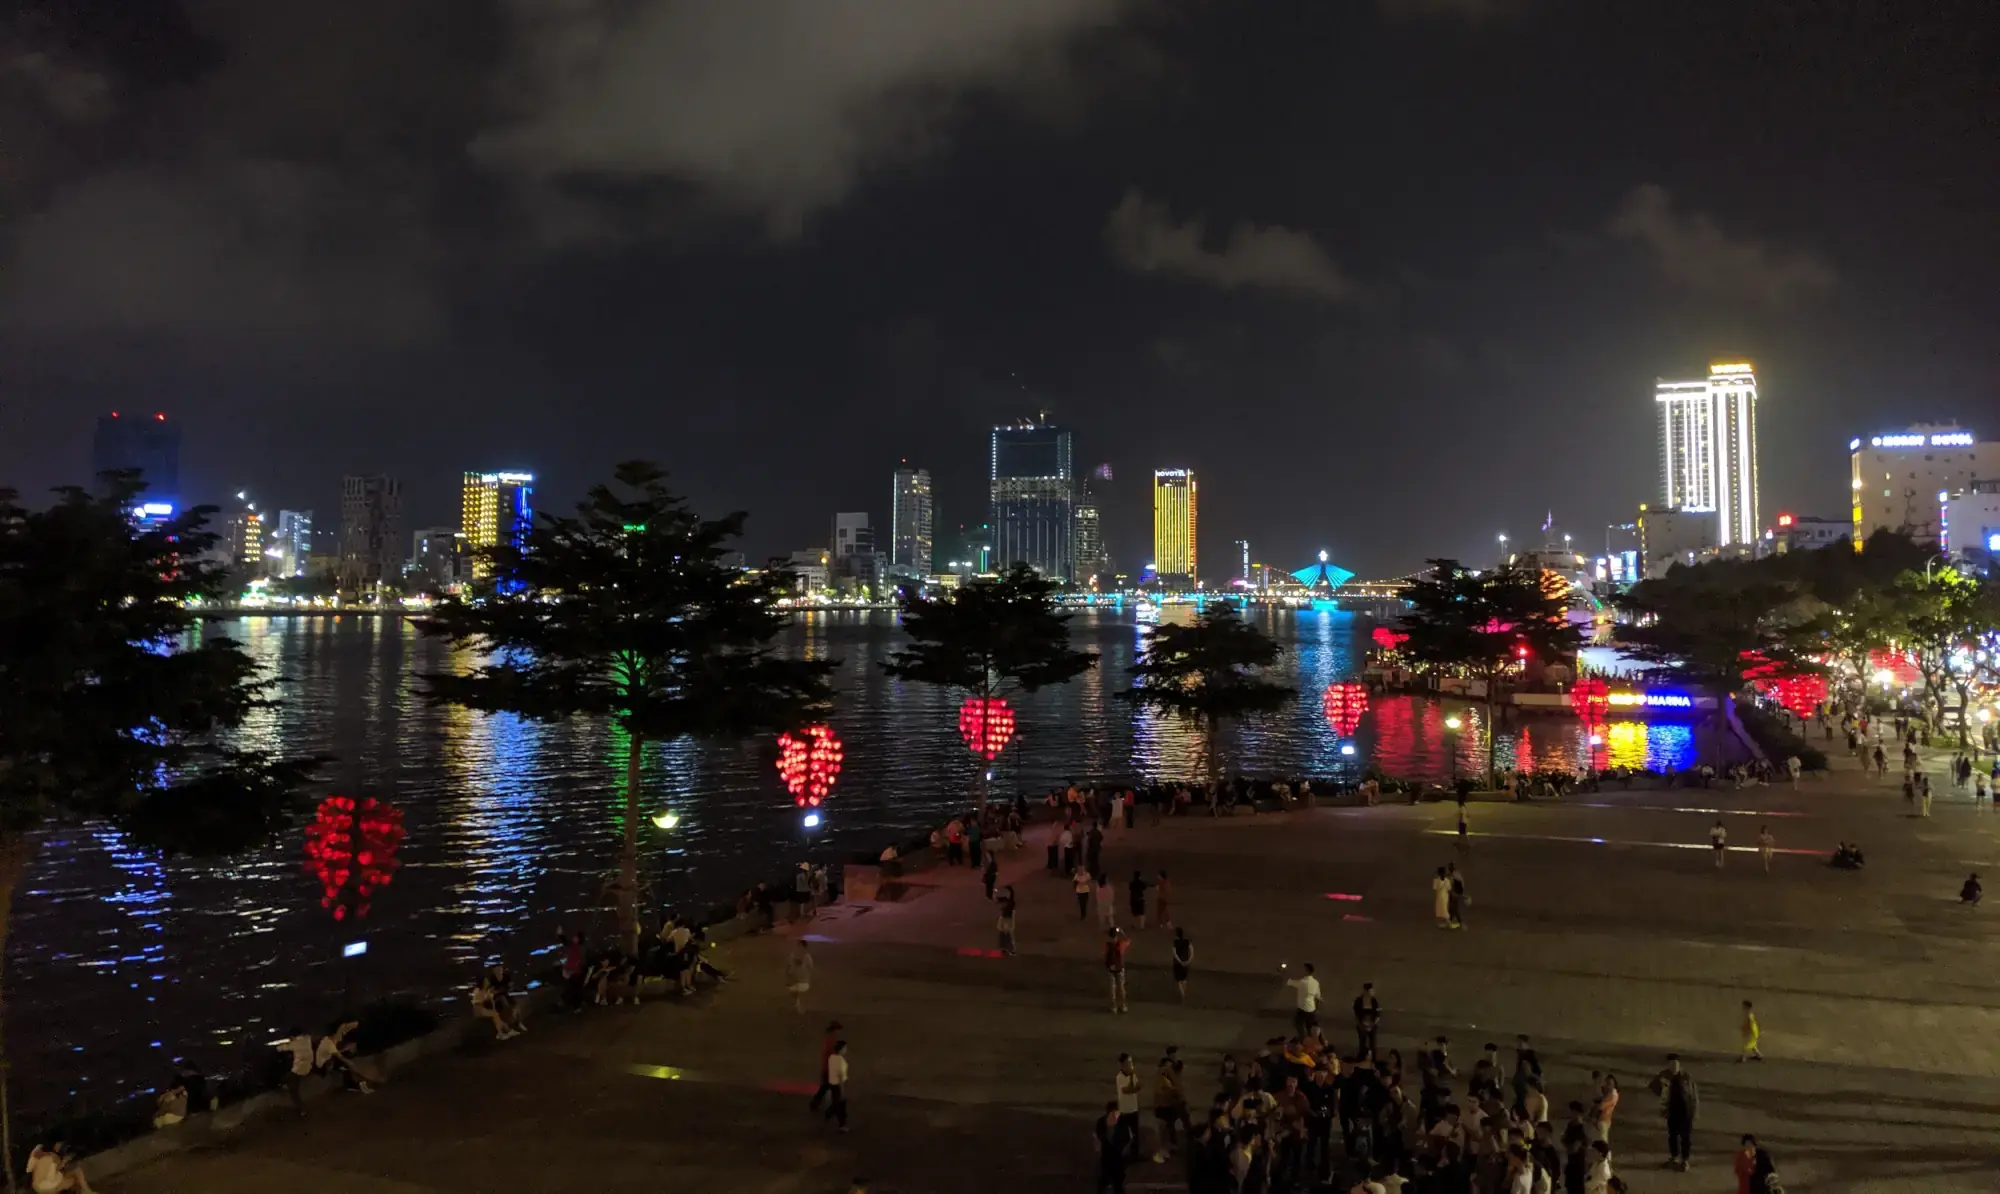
(1503, 549)
(1451, 725)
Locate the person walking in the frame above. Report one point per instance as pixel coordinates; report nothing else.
(1183, 961)
(1107, 904)
(1067, 841)
(1162, 897)
(1924, 793)
(1137, 892)
(1679, 1099)
(1718, 840)
(1766, 843)
(799, 975)
(837, 1074)
(1457, 902)
(989, 875)
(1080, 883)
(298, 1045)
(1793, 767)
(1116, 944)
(1305, 1017)
(1751, 1034)
(1441, 899)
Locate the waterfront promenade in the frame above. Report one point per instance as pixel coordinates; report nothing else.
(1599, 926)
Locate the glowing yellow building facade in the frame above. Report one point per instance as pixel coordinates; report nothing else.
(497, 508)
(1174, 523)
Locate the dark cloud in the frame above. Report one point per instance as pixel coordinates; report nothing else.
(1144, 237)
(71, 91)
(780, 107)
(1691, 250)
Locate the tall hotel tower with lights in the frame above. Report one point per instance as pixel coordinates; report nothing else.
(1033, 495)
(1174, 524)
(1708, 450)
(497, 508)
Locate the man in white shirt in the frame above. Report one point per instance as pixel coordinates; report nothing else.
(299, 1044)
(836, 1081)
(1305, 1019)
(1126, 1085)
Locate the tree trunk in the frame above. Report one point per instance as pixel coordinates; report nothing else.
(628, 852)
(15, 853)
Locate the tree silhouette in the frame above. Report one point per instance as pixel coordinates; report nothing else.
(627, 612)
(1209, 672)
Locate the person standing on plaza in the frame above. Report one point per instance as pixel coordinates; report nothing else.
(1067, 840)
(1163, 895)
(1441, 899)
(1598, 1179)
(1751, 1034)
(1183, 961)
(1881, 762)
(1605, 1108)
(1982, 791)
(1080, 883)
(1458, 901)
(826, 1043)
(799, 975)
(1005, 925)
(1367, 1019)
(1107, 904)
(1136, 891)
(1793, 767)
(1109, 1134)
(1679, 1099)
(837, 1073)
(1125, 1084)
(1766, 844)
(1924, 793)
(1718, 840)
(1306, 1016)
(1116, 945)
(989, 876)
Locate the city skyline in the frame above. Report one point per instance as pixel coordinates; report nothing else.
(371, 247)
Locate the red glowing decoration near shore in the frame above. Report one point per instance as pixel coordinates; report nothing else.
(1591, 698)
(1802, 694)
(986, 725)
(1388, 639)
(1344, 702)
(809, 760)
(351, 849)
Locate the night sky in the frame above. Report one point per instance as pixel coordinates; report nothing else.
(1392, 275)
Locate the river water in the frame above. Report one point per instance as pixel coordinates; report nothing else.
(121, 961)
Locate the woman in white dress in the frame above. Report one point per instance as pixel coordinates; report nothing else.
(1441, 899)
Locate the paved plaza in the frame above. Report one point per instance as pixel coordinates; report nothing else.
(1598, 926)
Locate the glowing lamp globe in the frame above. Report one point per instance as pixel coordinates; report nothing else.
(1388, 639)
(809, 762)
(986, 725)
(1343, 703)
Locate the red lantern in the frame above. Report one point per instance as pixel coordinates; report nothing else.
(1388, 639)
(986, 725)
(1344, 702)
(1591, 698)
(351, 849)
(1801, 694)
(809, 760)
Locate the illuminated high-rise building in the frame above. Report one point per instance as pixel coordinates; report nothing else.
(1033, 495)
(1900, 477)
(290, 549)
(497, 508)
(1174, 524)
(911, 517)
(1708, 450)
(145, 442)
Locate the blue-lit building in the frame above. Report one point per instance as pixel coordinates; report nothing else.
(1033, 496)
(148, 443)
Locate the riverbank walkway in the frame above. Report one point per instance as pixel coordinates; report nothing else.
(1599, 926)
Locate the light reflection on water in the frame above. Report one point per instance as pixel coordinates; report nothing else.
(512, 826)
